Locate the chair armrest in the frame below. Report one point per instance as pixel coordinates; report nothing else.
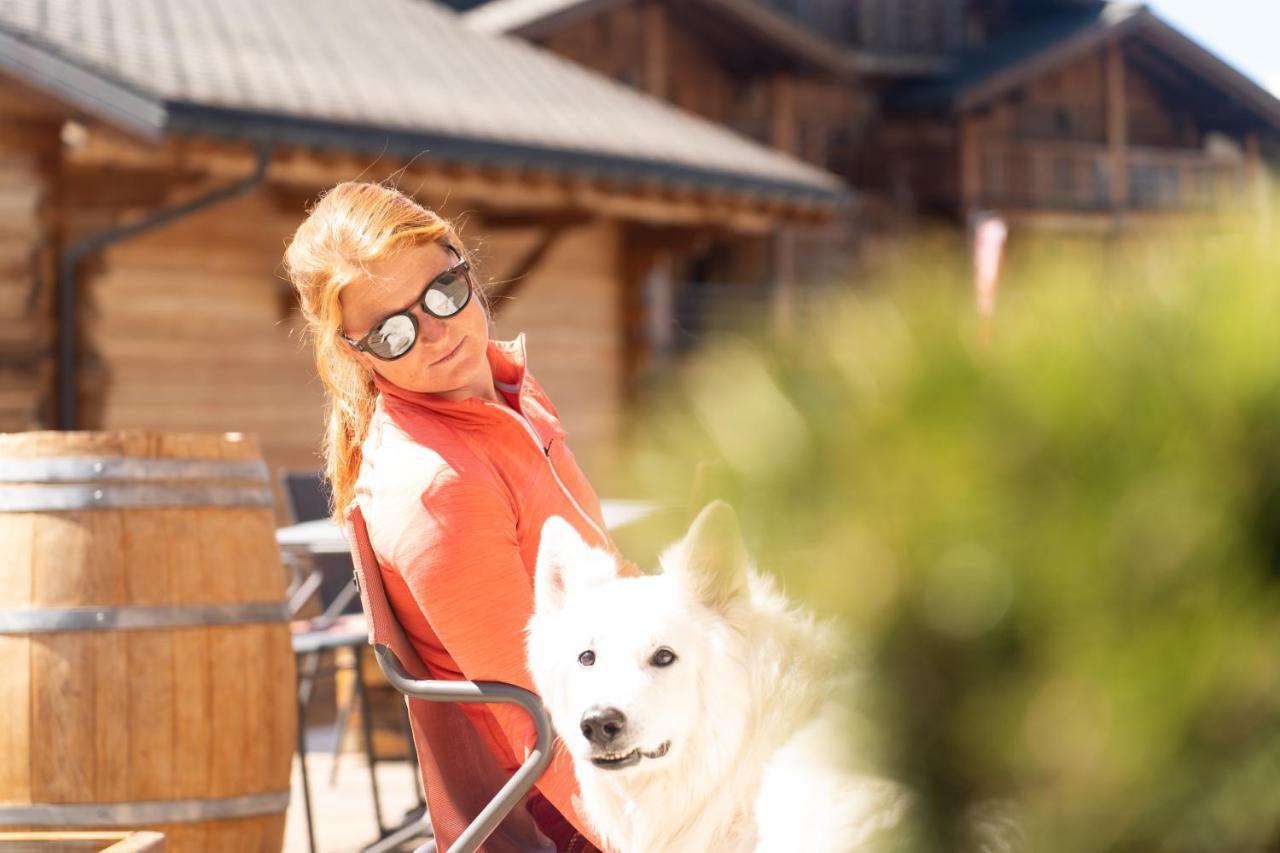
(482, 692)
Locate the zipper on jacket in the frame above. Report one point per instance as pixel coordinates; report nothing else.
(546, 452)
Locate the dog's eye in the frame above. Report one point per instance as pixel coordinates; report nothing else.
(587, 658)
(663, 657)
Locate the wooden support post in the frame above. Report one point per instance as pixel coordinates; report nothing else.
(970, 167)
(1258, 182)
(655, 53)
(660, 308)
(1117, 127)
(784, 279)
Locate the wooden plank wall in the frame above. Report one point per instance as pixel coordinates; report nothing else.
(193, 327)
(700, 83)
(190, 327)
(611, 43)
(29, 151)
(1069, 104)
(1155, 121)
(570, 309)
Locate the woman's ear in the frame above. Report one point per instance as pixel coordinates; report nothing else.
(712, 559)
(567, 565)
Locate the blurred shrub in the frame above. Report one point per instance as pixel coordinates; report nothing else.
(1060, 551)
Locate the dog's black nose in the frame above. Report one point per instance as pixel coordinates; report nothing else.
(602, 725)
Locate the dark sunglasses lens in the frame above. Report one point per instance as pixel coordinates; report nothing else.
(393, 337)
(447, 295)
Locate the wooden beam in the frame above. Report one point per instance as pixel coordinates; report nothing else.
(507, 286)
(1117, 126)
(784, 280)
(490, 220)
(1258, 180)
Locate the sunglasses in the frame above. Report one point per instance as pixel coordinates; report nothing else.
(443, 297)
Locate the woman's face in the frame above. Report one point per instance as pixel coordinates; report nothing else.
(450, 357)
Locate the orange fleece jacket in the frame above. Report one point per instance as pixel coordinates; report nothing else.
(454, 494)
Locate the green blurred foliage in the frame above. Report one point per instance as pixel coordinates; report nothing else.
(1058, 550)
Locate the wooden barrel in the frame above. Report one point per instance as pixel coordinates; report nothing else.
(146, 670)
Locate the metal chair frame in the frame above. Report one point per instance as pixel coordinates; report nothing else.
(480, 692)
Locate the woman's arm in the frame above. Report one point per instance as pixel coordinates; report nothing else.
(460, 559)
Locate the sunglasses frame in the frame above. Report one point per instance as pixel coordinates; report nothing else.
(463, 266)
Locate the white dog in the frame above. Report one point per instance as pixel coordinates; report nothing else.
(696, 703)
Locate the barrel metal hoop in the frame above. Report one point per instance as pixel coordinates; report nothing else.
(139, 617)
(148, 812)
(81, 469)
(41, 498)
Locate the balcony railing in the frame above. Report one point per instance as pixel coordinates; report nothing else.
(1059, 176)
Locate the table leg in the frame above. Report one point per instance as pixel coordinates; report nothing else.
(366, 718)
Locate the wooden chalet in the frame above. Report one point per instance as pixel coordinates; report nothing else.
(1071, 114)
(155, 158)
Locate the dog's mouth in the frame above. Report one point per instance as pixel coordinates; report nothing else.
(628, 759)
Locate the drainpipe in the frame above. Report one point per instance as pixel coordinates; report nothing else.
(70, 260)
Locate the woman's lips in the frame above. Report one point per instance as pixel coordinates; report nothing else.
(450, 354)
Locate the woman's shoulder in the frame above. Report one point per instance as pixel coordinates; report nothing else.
(403, 474)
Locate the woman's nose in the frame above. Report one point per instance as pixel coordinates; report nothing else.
(430, 329)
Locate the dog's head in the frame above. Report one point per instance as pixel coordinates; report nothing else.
(638, 673)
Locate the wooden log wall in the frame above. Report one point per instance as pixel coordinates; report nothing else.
(29, 157)
(700, 83)
(610, 43)
(1070, 104)
(191, 328)
(624, 42)
(570, 309)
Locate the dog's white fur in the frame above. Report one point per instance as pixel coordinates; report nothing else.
(755, 753)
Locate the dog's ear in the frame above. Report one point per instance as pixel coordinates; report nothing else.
(712, 558)
(566, 563)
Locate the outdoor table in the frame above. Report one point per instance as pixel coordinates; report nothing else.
(325, 536)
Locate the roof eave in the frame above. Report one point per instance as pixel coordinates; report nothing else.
(261, 128)
(1225, 75)
(1077, 44)
(117, 103)
(1265, 105)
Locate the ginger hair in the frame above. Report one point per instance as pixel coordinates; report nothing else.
(352, 226)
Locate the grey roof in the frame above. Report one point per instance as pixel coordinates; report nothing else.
(405, 76)
(1010, 59)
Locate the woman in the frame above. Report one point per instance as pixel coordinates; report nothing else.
(451, 448)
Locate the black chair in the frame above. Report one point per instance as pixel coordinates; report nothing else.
(337, 632)
(307, 499)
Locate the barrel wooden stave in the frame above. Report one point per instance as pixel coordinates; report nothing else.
(159, 714)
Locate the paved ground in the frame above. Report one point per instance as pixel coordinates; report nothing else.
(344, 820)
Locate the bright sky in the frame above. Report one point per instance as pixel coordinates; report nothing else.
(1246, 33)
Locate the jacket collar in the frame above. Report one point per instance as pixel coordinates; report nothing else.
(508, 360)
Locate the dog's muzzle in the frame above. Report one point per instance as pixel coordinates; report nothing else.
(605, 728)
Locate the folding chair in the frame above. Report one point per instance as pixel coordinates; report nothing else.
(470, 800)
